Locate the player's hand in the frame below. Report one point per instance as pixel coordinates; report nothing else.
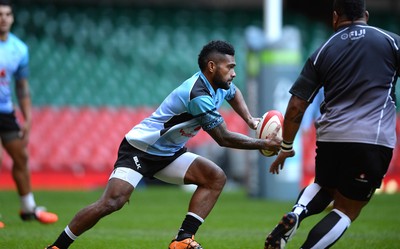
(274, 141)
(253, 123)
(279, 162)
(24, 132)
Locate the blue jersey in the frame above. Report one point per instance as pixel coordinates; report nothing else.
(191, 106)
(14, 60)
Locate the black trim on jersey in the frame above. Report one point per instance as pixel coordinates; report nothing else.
(204, 119)
(212, 112)
(176, 120)
(199, 89)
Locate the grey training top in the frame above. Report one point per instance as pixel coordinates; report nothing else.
(358, 67)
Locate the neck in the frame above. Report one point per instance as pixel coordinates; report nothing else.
(3, 36)
(342, 23)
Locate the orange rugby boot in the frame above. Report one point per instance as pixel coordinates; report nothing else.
(40, 214)
(187, 243)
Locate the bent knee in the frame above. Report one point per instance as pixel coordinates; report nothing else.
(221, 176)
(206, 173)
(217, 179)
(109, 205)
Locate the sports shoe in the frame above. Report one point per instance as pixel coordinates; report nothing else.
(2, 225)
(40, 214)
(51, 247)
(283, 232)
(187, 243)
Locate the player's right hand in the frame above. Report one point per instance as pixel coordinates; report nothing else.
(279, 162)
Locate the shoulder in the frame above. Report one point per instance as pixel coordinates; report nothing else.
(382, 31)
(199, 88)
(385, 34)
(17, 42)
(387, 38)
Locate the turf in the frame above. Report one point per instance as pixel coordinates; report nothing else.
(155, 213)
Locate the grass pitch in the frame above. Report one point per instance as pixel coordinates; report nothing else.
(155, 213)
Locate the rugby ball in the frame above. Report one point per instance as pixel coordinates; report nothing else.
(269, 121)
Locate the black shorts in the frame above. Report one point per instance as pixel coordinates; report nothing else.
(354, 169)
(9, 127)
(129, 157)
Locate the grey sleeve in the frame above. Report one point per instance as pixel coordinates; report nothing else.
(307, 84)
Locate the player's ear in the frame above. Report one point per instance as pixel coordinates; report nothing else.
(211, 66)
(366, 15)
(335, 20)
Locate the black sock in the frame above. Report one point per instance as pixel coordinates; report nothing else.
(63, 241)
(189, 227)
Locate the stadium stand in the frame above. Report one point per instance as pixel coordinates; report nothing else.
(96, 71)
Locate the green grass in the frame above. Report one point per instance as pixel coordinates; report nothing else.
(155, 213)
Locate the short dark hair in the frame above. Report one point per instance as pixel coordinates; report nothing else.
(352, 9)
(5, 2)
(220, 47)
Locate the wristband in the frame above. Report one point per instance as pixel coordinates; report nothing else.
(286, 146)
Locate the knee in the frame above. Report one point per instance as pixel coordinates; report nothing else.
(204, 173)
(351, 212)
(20, 161)
(111, 204)
(218, 178)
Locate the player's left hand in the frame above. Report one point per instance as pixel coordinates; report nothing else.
(253, 123)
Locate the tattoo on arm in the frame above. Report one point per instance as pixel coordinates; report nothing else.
(298, 117)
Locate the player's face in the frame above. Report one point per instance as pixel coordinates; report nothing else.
(225, 72)
(6, 19)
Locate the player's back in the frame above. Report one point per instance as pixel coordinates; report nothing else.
(358, 67)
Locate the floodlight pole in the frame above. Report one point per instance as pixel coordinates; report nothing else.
(273, 64)
(272, 20)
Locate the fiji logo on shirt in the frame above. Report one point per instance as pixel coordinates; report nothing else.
(354, 35)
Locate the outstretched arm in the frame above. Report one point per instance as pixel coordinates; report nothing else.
(291, 124)
(226, 138)
(239, 105)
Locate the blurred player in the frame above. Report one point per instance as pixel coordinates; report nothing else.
(14, 137)
(358, 67)
(156, 147)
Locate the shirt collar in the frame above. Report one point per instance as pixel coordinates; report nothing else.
(209, 87)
